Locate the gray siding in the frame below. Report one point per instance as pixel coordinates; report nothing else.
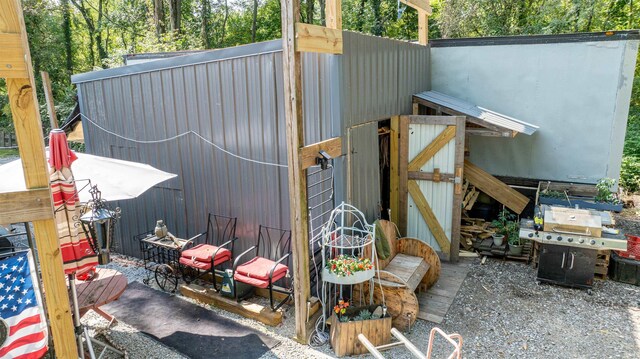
(576, 92)
(380, 76)
(234, 98)
(238, 105)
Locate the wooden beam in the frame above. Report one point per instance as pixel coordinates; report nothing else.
(458, 193)
(429, 217)
(475, 131)
(12, 62)
(423, 27)
(432, 120)
(308, 154)
(48, 96)
(495, 188)
(436, 145)
(26, 206)
(26, 121)
(254, 311)
(421, 5)
(314, 38)
(393, 168)
(430, 176)
(333, 13)
(297, 177)
(452, 112)
(403, 174)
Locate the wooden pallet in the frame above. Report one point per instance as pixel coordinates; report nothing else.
(602, 264)
(487, 248)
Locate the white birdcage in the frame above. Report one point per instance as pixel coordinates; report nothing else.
(347, 233)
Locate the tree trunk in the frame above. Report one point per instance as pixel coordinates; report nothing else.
(204, 28)
(254, 21)
(323, 16)
(66, 28)
(174, 14)
(102, 51)
(360, 20)
(158, 17)
(310, 4)
(224, 22)
(377, 18)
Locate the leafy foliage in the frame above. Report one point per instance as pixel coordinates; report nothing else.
(507, 226)
(604, 188)
(73, 36)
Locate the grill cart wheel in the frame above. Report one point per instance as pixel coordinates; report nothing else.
(167, 278)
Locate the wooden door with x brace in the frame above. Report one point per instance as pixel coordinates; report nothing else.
(430, 168)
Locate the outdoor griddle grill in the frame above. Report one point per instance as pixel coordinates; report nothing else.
(569, 241)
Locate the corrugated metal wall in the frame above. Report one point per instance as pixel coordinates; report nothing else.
(379, 77)
(237, 104)
(234, 99)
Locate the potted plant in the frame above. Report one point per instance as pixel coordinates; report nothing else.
(347, 320)
(506, 227)
(346, 269)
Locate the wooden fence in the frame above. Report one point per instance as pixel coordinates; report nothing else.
(8, 140)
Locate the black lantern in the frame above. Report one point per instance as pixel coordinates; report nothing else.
(98, 222)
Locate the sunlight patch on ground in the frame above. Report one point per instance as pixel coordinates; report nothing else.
(634, 315)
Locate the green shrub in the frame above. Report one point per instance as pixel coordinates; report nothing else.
(630, 173)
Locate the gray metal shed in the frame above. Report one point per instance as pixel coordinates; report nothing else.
(216, 119)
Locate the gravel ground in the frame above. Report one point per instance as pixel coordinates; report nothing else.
(500, 312)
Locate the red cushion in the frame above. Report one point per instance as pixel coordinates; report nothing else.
(260, 283)
(260, 268)
(203, 252)
(204, 265)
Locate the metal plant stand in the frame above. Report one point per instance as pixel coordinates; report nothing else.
(347, 232)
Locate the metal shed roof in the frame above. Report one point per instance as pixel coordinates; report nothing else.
(480, 115)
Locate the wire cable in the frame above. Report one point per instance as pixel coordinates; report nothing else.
(172, 138)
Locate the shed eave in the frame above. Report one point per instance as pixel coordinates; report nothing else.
(481, 116)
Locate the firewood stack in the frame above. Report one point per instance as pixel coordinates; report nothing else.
(472, 230)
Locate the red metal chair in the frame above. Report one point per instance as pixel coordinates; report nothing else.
(217, 248)
(269, 266)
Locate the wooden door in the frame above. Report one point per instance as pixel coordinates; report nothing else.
(430, 168)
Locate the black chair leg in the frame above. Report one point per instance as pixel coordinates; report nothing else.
(281, 303)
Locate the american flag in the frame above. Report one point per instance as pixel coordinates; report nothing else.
(24, 326)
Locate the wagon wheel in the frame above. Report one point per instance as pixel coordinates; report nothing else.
(166, 277)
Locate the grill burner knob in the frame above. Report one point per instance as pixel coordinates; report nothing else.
(581, 240)
(592, 242)
(559, 238)
(530, 235)
(548, 236)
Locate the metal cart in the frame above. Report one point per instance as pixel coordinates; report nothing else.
(161, 257)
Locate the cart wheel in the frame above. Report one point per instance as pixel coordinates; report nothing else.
(166, 278)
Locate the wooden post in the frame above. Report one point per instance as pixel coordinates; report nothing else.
(423, 27)
(26, 120)
(48, 96)
(394, 178)
(292, 71)
(333, 9)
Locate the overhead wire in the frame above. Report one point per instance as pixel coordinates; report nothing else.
(175, 137)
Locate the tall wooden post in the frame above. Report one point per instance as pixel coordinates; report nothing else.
(297, 176)
(423, 27)
(48, 96)
(15, 66)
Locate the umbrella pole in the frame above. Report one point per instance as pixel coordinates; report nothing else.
(76, 315)
(81, 331)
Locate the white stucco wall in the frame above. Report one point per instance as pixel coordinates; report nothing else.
(578, 93)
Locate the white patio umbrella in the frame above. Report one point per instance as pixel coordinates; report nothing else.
(116, 179)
